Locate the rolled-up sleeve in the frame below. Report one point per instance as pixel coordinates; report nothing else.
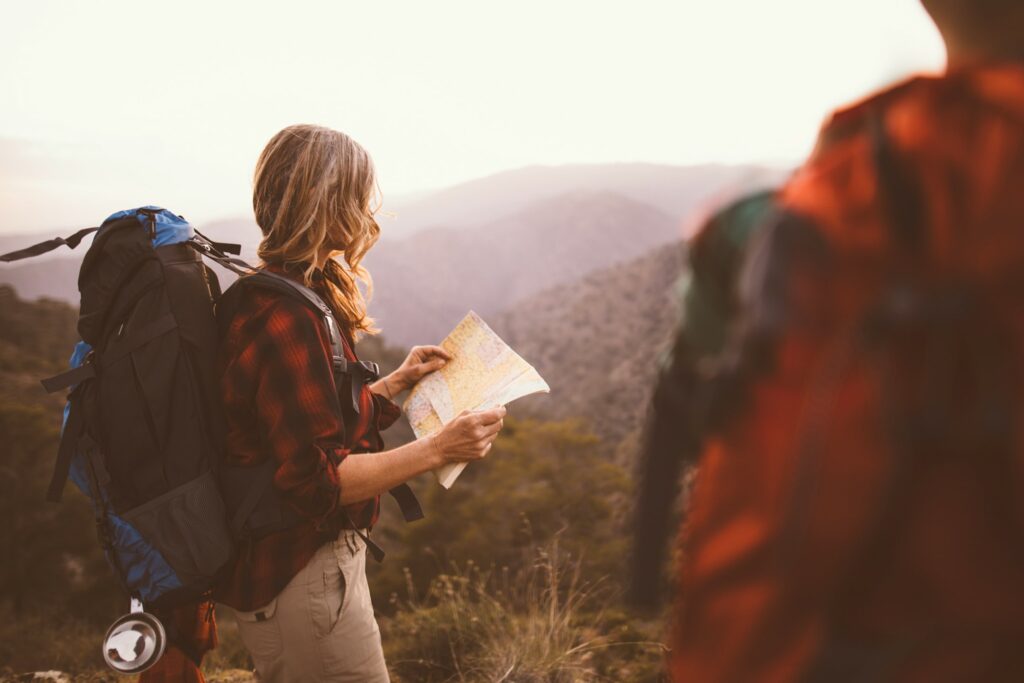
(387, 412)
(298, 411)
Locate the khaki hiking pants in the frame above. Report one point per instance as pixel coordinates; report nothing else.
(321, 626)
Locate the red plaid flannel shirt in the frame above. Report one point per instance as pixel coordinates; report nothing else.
(281, 402)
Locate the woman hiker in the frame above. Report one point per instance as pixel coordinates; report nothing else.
(299, 594)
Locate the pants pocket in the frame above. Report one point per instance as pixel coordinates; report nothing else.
(353, 651)
(327, 594)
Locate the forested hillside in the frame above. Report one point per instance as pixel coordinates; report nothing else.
(35, 342)
(597, 342)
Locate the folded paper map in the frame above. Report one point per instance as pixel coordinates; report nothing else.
(484, 373)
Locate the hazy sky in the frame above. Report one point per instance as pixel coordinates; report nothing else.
(114, 104)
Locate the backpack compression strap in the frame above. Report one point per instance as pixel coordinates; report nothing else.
(49, 245)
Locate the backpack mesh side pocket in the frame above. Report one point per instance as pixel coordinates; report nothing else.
(185, 525)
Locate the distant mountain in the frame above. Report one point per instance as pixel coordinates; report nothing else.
(674, 190)
(424, 284)
(597, 342)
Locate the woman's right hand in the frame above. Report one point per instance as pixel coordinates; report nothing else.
(469, 436)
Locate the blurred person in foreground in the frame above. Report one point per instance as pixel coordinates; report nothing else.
(856, 514)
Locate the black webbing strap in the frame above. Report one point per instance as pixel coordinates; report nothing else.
(73, 433)
(407, 502)
(49, 245)
(211, 251)
(68, 378)
(375, 550)
(136, 338)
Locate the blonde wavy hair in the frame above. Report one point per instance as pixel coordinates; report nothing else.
(314, 195)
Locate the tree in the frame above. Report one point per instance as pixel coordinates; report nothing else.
(53, 557)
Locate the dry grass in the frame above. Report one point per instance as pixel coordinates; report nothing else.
(538, 625)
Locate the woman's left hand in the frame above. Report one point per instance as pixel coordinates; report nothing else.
(421, 361)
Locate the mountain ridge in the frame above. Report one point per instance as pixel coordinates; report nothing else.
(674, 189)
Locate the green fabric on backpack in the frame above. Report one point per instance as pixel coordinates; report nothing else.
(710, 304)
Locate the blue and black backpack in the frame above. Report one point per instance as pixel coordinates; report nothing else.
(143, 433)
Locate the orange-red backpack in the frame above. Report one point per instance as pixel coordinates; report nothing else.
(857, 513)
